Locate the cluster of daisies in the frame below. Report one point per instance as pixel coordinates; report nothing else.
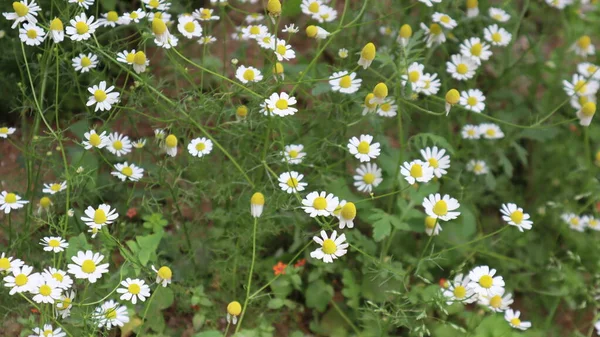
(580, 223)
(584, 84)
(483, 286)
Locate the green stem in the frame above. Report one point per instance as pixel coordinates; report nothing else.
(341, 313)
(249, 284)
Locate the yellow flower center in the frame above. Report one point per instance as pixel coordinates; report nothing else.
(462, 68)
(95, 140)
(476, 49)
(58, 277)
(171, 141)
(112, 16)
(414, 76)
(471, 132)
(589, 109)
(478, 167)
(580, 86)
(3, 130)
(368, 52)
(281, 49)
(165, 272)
(249, 75)
(440, 208)
(257, 199)
(153, 3)
(54, 243)
(380, 90)
(21, 280)
(134, 288)
(48, 333)
(472, 4)
(497, 16)
(386, 107)
(405, 31)
(100, 95)
(496, 301)
(329, 246)
(368, 99)
(10, 198)
(99, 216)
(575, 221)
(452, 96)
(472, 101)
(311, 31)
(20, 9)
(497, 37)
(45, 202)
(241, 111)
(435, 29)
(85, 61)
(234, 308)
(516, 217)
(445, 19)
(130, 57)
(200, 146)
(459, 292)
(81, 27)
(281, 104)
(4, 263)
(158, 26)
(293, 153)
(189, 27)
(430, 222)
(416, 171)
(433, 162)
(292, 182)
(205, 14)
(314, 7)
(88, 266)
(266, 39)
(278, 68)
(117, 145)
(64, 304)
(111, 313)
(32, 34)
(584, 42)
(45, 290)
(486, 281)
(591, 69)
(490, 132)
(139, 58)
(346, 81)
(515, 321)
(348, 211)
(127, 171)
(363, 147)
(254, 30)
(369, 178)
(133, 15)
(320, 203)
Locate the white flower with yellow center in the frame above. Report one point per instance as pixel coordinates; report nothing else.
(189, 27)
(140, 62)
(140, 143)
(498, 14)
(470, 132)
(200, 147)
(461, 67)
(63, 280)
(560, 4)
(367, 55)
(254, 31)
(478, 167)
(205, 14)
(584, 46)
(430, 3)
(589, 70)
(81, 27)
(331, 247)
(311, 7)
(484, 282)
(444, 20)
(10, 201)
(580, 86)
(82, 3)
(472, 8)
(118, 144)
(134, 289)
(346, 213)
(31, 34)
(6, 131)
(266, 41)
(432, 226)
(344, 82)
(99, 217)
(497, 302)
(164, 16)
(24, 11)
(416, 171)
(431, 85)
(162, 37)
(290, 29)
(83, 63)
(64, 304)
(497, 36)
(437, 158)
(514, 216)
(126, 171)
(441, 208)
(364, 149)
(111, 314)
(291, 182)
(320, 204)
(102, 97)
(8, 263)
(367, 177)
(234, 309)
(490, 131)
(414, 76)
(48, 331)
(316, 32)
(473, 100)
(88, 265)
(369, 106)
(21, 280)
(134, 16)
(54, 187)
(45, 290)
(248, 74)
(164, 275)
(54, 244)
(293, 154)
(476, 49)
(126, 56)
(459, 291)
(283, 51)
(157, 5)
(207, 39)
(591, 222)
(109, 19)
(326, 14)
(513, 318)
(434, 35)
(388, 108)
(92, 139)
(281, 104)
(343, 53)
(254, 17)
(574, 221)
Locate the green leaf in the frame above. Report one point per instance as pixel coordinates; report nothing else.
(144, 256)
(290, 8)
(318, 295)
(424, 139)
(351, 289)
(382, 223)
(209, 333)
(163, 298)
(320, 88)
(76, 244)
(149, 242)
(275, 303)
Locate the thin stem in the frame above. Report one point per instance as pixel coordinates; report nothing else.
(249, 284)
(345, 317)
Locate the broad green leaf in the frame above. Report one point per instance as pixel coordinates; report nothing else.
(318, 295)
(351, 289)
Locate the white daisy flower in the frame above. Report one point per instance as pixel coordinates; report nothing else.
(574, 221)
(21, 280)
(208, 39)
(164, 16)
(31, 34)
(140, 143)
(580, 86)
(126, 171)
(367, 177)
(513, 318)
(589, 70)
(7, 263)
(290, 29)
(163, 275)
(484, 283)
(81, 27)
(589, 221)
(92, 139)
(444, 20)
(254, 17)
(478, 167)
(200, 147)
(88, 266)
(472, 8)
(490, 131)
(473, 100)
(189, 27)
(290, 182)
(476, 49)
(514, 216)
(54, 188)
(293, 154)
(584, 46)
(560, 4)
(45, 290)
(441, 208)
(24, 11)
(497, 302)
(126, 56)
(461, 67)
(498, 14)
(414, 75)
(118, 144)
(82, 3)
(133, 16)
(162, 37)
(83, 63)
(363, 148)
(470, 132)
(416, 171)
(431, 85)
(434, 35)
(346, 213)
(326, 14)
(248, 74)
(367, 55)
(48, 330)
(331, 247)
(254, 31)
(317, 32)
(320, 204)
(63, 280)
(311, 7)
(205, 14)
(497, 36)
(54, 244)
(99, 217)
(140, 62)
(157, 5)
(134, 289)
(109, 19)
(64, 304)
(343, 53)
(388, 108)
(344, 82)
(280, 104)
(10, 201)
(459, 291)
(432, 226)
(266, 41)
(438, 159)
(430, 3)
(102, 97)
(283, 51)
(6, 131)
(111, 314)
